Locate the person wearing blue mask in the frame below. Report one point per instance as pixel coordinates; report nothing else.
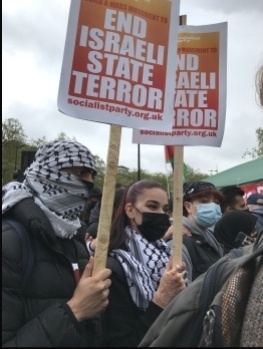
(201, 210)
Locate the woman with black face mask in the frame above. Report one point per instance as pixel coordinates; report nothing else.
(143, 279)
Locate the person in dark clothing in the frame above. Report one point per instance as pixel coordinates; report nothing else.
(201, 210)
(230, 225)
(119, 192)
(143, 279)
(93, 198)
(93, 223)
(170, 329)
(233, 199)
(255, 206)
(60, 303)
(91, 212)
(94, 216)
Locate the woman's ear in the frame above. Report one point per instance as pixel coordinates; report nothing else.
(129, 210)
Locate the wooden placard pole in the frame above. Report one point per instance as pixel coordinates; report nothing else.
(177, 204)
(108, 193)
(178, 194)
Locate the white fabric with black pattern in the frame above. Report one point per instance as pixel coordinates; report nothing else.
(143, 265)
(61, 195)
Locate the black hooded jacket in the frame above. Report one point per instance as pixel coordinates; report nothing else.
(93, 223)
(38, 316)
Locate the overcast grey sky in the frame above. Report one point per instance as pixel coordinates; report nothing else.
(33, 42)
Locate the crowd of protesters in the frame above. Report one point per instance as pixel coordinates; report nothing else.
(62, 303)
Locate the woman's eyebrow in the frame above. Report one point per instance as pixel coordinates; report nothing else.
(156, 202)
(152, 202)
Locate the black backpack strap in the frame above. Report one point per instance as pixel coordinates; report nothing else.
(115, 266)
(189, 244)
(209, 289)
(27, 248)
(211, 285)
(212, 335)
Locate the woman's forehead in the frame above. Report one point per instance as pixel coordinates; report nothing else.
(154, 194)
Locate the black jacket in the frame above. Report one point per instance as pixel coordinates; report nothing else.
(123, 323)
(176, 326)
(202, 254)
(93, 222)
(40, 317)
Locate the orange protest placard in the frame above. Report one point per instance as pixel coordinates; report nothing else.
(117, 61)
(200, 93)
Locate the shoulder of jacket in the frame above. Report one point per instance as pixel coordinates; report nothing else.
(8, 229)
(12, 251)
(27, 212)
(115, 266)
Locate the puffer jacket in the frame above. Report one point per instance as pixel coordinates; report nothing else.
(177, 324)
(39, 316)
(93, 223)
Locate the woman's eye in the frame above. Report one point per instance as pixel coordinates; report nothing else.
(152, 207)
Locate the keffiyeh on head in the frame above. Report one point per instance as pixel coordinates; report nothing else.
(56, 155)
(61, 195)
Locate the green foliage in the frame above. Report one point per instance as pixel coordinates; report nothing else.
(14, 141)
(195, 175)
(63, 137)
(12, 130)
(158, 177)
(192, 176)
(37, 143)
(255, 153)
(125, 176)
(100, 165)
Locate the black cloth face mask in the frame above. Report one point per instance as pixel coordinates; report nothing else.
(154, 225)
(91, 205)
(89, 185)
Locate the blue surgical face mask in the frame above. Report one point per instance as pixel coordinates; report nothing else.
(207, 214)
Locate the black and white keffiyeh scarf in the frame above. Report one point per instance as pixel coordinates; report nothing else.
(60, 195)
(143, 265)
